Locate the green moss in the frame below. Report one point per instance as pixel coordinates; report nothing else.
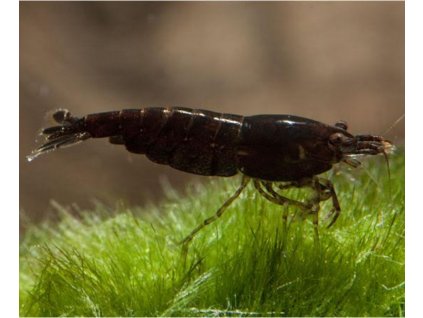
(124, 261)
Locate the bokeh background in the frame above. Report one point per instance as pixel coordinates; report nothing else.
(323, 60)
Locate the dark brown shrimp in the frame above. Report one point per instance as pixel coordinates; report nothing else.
(276, 152)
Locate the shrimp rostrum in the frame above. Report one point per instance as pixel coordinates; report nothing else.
(274, 152)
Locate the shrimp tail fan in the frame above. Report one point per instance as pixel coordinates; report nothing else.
(70, 131)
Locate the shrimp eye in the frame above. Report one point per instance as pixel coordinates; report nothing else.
(342, 124)
(336, 138)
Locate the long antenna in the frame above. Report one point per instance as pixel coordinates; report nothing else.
(394, 124)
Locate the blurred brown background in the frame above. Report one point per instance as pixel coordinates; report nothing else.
(323, 60)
